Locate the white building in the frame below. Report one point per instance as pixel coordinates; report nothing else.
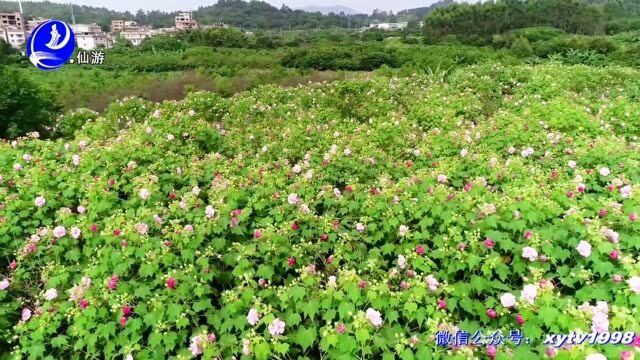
(185, 21)
(12, 29)
(136, 36)
(30, 25)
(389, 26)
(122, 25)
(90, 37)
(13, 36)
(11, 20)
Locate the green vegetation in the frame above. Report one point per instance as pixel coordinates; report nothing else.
(341, 221)
(478, 22)
(332, 194)
(238, 13)
(24, 106)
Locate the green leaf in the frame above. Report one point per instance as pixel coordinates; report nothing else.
(306, 337)
(201, 305)
(362, 335)
(59, 341)
(262, 350)
(293, 319)
(155, 339)
(297, 293)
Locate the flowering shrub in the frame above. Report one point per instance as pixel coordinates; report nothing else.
(349, 220)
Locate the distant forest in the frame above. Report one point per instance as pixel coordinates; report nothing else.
(238, 13)
(443, 19)
(588, 17)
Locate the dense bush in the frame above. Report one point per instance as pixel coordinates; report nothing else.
(364, 57)
(622, 25)
(8, 55)
(217, 37)
(521, 48)
(24, 106)
(349, 220)
(629, 55)
(67, 124)
(162, 44)
(265, 41)
(559, 45)
(450, 56)
(531, 34)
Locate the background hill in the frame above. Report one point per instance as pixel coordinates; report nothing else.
(336, 9)
(239, 13)
(421, 12)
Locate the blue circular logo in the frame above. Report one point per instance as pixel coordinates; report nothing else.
(50, 45)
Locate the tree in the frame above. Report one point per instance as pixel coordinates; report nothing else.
(7, 53)
(521, 48)
(162, 43)
(24, 107)
(413, 27)
(486, 19)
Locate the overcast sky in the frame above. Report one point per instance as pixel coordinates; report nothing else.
(170, 5)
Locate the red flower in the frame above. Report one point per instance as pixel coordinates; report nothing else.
(94, 227)
(528, 234)
(340, 328)
(419, 249)
(492, 351)
(442, 304)
(123, 321)
(13, 265)
(257, 234)
(295, 226)
(614, 255)
(329, 259)
(127, 310)
(348, 188)
(84, 303)
(633, 216)
(492, 313)
(113, 282)
(520, 319)
(324, 237)
(603, 212)
(172, 196)
(468, 187)
(362, 284)
(171, 283)
(488, 243)
(236, 212)
(116, 232)
(291, 261)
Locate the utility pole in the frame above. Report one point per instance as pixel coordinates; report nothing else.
(73, 18)
(20, 4)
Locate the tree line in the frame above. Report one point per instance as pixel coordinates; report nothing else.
(496, 17)
(237, 13)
